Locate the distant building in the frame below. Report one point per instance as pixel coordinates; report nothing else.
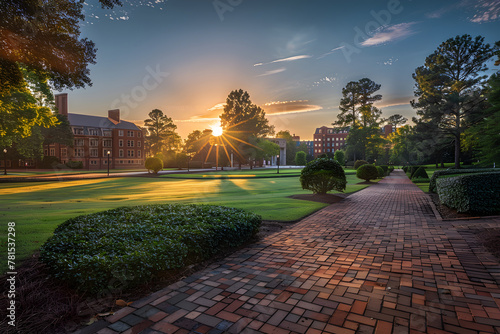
(282, 155)
(328, 140)
(95, 136)
(309, 144)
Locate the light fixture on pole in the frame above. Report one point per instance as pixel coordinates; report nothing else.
(108, 153)
(278, 159)
(4, 161)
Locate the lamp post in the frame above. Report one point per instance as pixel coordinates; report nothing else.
(108, 153)
(278, 160)
(4, 161)
(216, 156)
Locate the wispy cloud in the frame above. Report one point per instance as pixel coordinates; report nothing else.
(390, 33)
(284, 60)
(271, 72)
(331, 51)
(486, 10)
(278, 108)
(389, 61)
(396, 101)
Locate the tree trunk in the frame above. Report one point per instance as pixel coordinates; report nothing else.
(457, 140)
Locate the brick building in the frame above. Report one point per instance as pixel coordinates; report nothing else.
(95, 136)
(328, 140)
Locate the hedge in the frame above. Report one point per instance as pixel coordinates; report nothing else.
(476, 193)
(123, 247)
(380, 171)
(437, 174)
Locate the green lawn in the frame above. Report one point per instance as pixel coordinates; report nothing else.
(38, 208)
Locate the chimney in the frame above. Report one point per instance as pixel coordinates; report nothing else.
(114, 116)
(62, 103)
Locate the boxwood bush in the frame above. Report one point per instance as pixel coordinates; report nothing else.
(474, 193)
(420, 173)
(437, 174)
(323, 175)
(380, 172)
(120, 248)
(153, 165)
(359, 163)
(367, 172)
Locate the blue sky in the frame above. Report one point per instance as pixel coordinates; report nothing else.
(293, 57)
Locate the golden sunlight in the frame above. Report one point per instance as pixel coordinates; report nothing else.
(216, 130)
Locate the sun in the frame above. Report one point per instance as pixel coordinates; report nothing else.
(216, 130)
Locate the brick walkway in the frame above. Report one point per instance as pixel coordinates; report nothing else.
(377, 262)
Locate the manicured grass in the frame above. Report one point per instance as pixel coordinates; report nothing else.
(38, 208)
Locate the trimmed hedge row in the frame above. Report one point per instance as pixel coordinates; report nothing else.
(122, 247)
(476, 193)
(438, 173)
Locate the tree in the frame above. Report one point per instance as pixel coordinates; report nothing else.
(161, 132)
(243, 122)
(339, 156)
(449, 86)
(356, 95)
(396, 120)
(267, 150)
(31, 31)
(291, 146)
(195, 141)
(488, 131)
(300, 158)
(323, 175)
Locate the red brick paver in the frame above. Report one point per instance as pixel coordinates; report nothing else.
(378, 262)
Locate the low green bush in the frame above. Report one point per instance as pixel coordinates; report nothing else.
(420, 173)
(412, 170)
(120, 248)
(391, 169)
(74, 164)
(385, 168)
(359, 163)
(405, 169)
(438, 173)
(475, 193)
(380, 171)
(323, 175)
(300, 158)
(153, 165)
(367, 172)
(420, 180)
(339, 156)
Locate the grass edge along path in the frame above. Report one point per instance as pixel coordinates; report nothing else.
(38, 208)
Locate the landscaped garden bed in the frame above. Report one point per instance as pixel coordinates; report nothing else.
(123, 247)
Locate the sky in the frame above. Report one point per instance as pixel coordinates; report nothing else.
(293, 57)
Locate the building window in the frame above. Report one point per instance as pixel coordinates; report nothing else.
(64, 152)
(130, 143)
(93, 132)
(120, 153)
(139, 134)
(130, 133)
(130, 153)
(94, 153)
(79, 152)
(120, 142)
(94, 142)
(78, 131)
(107, 133)
(93, 162)
(107, 143)
(120, 133)
(52, 152)
(79, 142)
(138, 154)
(139, 143)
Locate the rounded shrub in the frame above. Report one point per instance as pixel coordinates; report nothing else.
(367, 172)
(339, 156)
(300, 158)
(359, 163)
(380, 171)
(123, 247)
(153, 164)
(323, 175)
(420, 173)
(412, 170)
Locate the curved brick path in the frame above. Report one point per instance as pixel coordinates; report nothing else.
(377, 262)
